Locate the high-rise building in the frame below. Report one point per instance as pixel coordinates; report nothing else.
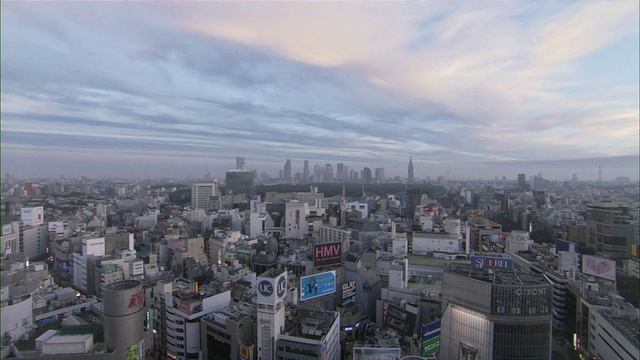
(495, 313)
(340, 172)
(328, 173)
(522, 181)
(414, 196)
(239, 182)
(609, 229)
(202, 195)
(305, 172)
(287, 170)
(366, 175)
(410, 177)
(272, 289)
(240, 164)
(379, 175)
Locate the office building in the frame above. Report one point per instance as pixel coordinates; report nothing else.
(227, 333)
(410, 178)
(305, 172)
(495, 313)
(602, 327)
(202, 195)
(240, 164)
(379, 172)
(239, 182)
(178, 311)
(310, 333)
(522, 181)
(609, 229)
(287, 171)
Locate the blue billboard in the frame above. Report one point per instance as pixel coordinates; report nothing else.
(431, 338)
(485, 261)
(316, 285)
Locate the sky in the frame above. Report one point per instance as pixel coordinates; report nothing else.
(473, 89)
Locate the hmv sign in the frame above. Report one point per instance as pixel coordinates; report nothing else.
(327, 254)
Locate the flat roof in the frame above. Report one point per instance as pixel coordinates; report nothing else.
(496, 275)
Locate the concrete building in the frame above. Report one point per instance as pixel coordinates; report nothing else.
(310, 334)
(495, 313)
(239, 182)
(603, 327)
(270, 323)
(609, 229)
(423, 243)
(123, 315)
(202, 195)
(295, 220)
(228, 332)
(177, 312)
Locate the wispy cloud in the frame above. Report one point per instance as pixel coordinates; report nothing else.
(361, 83)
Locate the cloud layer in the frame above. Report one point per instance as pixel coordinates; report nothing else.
(132, 88)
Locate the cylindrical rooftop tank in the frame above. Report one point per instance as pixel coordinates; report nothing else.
(123, 315)
(452, 226)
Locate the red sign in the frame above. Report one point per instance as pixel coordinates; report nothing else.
(136, 299)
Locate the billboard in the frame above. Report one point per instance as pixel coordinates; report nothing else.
(430, 338)
(272, 291)
(370, 353)
(186, 307)
(32, 216)
(327, 254)
(604, 268)
(56, 227)
(348, 289)
(317, 285)
(401, 320)
(486, 261)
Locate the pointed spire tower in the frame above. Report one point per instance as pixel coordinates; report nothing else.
(410, 178)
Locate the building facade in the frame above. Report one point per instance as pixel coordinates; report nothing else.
(495, 313)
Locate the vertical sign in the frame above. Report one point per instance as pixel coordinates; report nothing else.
(431, 338)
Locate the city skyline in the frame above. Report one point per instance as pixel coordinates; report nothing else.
(153, 90)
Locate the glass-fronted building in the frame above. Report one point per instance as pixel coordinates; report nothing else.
(495, 313)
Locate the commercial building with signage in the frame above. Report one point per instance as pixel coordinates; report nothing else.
(227, 333)
(311, 333)
(272, 292)
(495, 313)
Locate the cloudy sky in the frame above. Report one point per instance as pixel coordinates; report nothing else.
(475, 89)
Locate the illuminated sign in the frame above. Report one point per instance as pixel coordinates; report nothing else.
(316, 285)
(327, 254)
(348, 290)
(483, 261)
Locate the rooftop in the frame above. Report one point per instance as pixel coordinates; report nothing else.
(309, 323)
(498, 276)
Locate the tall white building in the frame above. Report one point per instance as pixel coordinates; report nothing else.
(272, 290)
(295, 220)
(202, 195)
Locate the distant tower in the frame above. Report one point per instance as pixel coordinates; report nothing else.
(410, 174)
(305, 171)
(240, 164)
(287, 170)
(600, 173)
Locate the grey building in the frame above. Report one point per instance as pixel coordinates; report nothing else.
(495, 313)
